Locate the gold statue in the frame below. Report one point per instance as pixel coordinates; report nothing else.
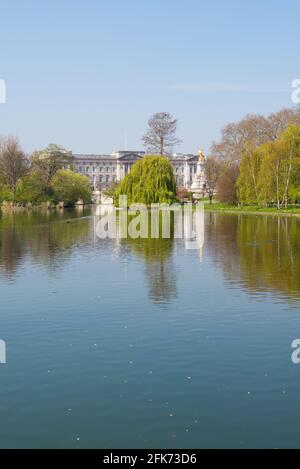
(201, 155)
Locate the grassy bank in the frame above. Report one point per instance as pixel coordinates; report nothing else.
(252, 209)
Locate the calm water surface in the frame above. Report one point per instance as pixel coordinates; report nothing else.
(119, 343)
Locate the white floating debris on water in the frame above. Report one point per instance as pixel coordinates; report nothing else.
(171, 415)
(95, 345)
(248, 393)
(150, 372)
(78, 438)
(189, 377)
(69, 410)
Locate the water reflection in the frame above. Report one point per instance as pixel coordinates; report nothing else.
(45, 237)
(160, 271)
(260, 252)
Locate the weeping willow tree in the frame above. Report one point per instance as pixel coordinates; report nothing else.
(150, 180)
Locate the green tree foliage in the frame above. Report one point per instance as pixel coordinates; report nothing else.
(70, 187)
(150, 180)
(32, 189)
(5, 193)
(271, 173)
(50, 160)
(248, 181)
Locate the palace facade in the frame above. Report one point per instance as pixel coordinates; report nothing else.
(103, 170)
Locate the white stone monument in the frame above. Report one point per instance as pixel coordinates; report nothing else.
(198, 184)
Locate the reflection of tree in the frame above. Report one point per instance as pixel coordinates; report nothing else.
(11, 250)
(262, 252)
(159, 269)
(156, 253)
(45, 236)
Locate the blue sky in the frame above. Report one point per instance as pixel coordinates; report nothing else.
(88, 74)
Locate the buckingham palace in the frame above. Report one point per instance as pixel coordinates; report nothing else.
(103, 170)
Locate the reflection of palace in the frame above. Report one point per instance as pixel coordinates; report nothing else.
(103, 170)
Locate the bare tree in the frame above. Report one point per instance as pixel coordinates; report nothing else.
(280, 120)
(252, 130)
(13, 163)
(212, 168)
(227, 188)
(160, 137)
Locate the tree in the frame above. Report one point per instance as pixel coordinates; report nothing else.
(70, 187)
(290, 141)
(252, 130)
(226, 187)
(212, 169)
(50, 160)
(183, 194)
(160, 137)
(13, 164)
(150, 180)
(32, 189)
(248, 180)
(280, 167)
(110, 190)
(280, 120)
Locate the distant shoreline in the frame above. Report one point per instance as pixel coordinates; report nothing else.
(295, 212)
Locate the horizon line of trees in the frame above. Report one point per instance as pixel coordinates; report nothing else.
(39, 177)
(257, 161)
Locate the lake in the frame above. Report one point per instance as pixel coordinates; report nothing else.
(143, 343)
